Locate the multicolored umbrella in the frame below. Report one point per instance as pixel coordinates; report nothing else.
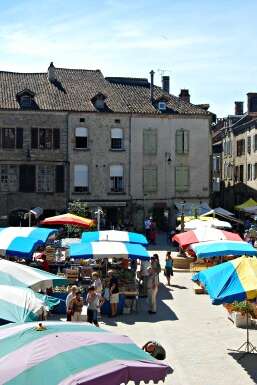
(222, 248)
(247, 204)
(23, 241)
(205, 222)
(72, 354)
(114, 235)
(230, 281)
(204, 234)
(105, 249)
(20, 304)
(16, 274)
(69, 219)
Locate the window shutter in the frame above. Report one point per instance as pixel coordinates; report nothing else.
(179, 141)
(59, 179)
(186, 141)
(182, 178)
(34, 137)
(150, 141)
(19, 137)
(150, 179)
(56, 138)
(27, 180)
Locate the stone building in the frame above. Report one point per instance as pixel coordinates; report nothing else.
(237, 135)
(123, 144)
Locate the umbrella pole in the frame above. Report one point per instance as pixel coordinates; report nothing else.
(247, 347)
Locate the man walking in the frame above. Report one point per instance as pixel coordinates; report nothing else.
(152, 289)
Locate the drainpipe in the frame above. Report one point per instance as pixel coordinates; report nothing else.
(67, 163)
(129, 175)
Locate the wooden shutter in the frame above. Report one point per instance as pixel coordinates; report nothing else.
(150, 179)
(150, 141)
(34, 137)
(182, 178)
(186, 142)
(56, 138)
(19, 137)
(179, 141)
(27, 180)
(59, 179)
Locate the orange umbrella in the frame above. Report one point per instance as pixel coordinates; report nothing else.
(69, 219)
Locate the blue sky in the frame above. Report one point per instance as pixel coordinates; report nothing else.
(207, 46)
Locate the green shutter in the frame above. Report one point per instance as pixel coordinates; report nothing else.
(150, 179)
(179, 141)
(186, 142)
(150, 141)
(182, 178)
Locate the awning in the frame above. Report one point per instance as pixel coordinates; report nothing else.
(249, 203)
(192, 208)
(222, 248)
(114, 235)
(106, 204)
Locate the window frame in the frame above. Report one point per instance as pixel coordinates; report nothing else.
(80, 138)
(184, 148)
(80, 188)
(117, 182)
(119, 139)
(46, 179)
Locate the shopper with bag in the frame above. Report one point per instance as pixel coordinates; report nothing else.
(69, 298)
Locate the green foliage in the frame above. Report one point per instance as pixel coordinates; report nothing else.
(81, 209)
(242, 307)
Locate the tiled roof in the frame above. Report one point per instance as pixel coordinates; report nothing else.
(75, 88)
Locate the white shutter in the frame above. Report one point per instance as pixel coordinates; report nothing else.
(81, 131)
(117, 133)
(182, 178)
(150, 179)
(116, 170)
(81, 175)
(150, 141)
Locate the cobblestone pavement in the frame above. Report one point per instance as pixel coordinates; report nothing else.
(196, 335)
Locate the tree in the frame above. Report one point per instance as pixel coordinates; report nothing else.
(81, 209)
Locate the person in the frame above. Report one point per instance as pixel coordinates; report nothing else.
(168, 271)
(148, 224)
(69, 298)
(133, 265)
(93, 302)
(114, 293)
(97, 283)
(143, 275)
(152, 289)
(44, 264)
(155, 263)
(76, 306)
(155, 349)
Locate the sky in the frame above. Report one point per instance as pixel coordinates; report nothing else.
(206, 46)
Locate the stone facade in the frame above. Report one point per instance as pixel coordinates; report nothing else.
(11, 198)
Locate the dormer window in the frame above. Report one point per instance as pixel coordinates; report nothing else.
(26, 99)
(162, 106)
(99, 101)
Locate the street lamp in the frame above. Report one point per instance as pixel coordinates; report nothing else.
(98, 213)
(182, 225)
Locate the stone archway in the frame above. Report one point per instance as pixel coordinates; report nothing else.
(16, 217)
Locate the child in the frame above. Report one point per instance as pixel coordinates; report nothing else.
(93, 302)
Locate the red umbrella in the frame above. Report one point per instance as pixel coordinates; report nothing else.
(69, 219)
(204, 234)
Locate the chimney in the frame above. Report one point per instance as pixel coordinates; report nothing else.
(184, 95)
(252, 102)
(51, 72)
(151, 85)
(239, 108)
(166, 84)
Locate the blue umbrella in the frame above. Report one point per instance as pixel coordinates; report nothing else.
(114, 235)
(222, 248)
(105, 249)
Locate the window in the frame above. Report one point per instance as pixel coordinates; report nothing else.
(255, 171)
(255, 142)
(236, 176)
(150, 141)
(26, 101)
(150, 179)
(59, 178)
(45, 179)
(240, 147)
(162, 106)
(45, 138)
(241, 173)
(82, 120)
(249, 142)
(8, 178)
(81, 134)
(182, 141)
(116, 178)
(12, 138)
(27, 178)
(182, 178)
(249, 172)
(81, 178)
(116, 139)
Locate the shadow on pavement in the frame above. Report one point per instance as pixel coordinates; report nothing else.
(248, 363)
(179, 287)
(164, 313)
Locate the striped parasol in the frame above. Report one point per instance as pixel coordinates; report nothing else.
(69, 219)
(114, 235)
(72, 354)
